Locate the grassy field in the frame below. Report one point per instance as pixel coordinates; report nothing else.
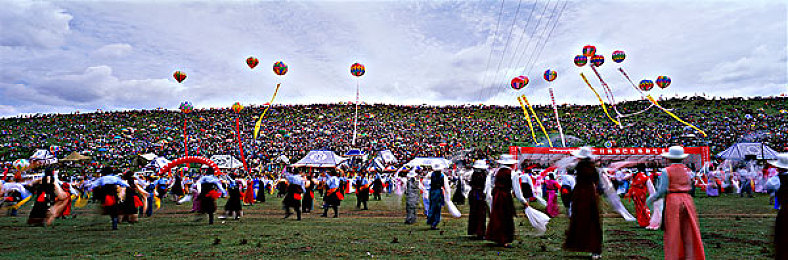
(732, 228)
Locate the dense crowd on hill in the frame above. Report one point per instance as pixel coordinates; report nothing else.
(115, 138)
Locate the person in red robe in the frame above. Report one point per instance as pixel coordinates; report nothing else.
(682, 232)
(66, 211)
(638, 193)
(585, 223)
(249, 194)
(500, 229)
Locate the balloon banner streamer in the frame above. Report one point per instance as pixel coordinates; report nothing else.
(185, 137)
(636, 88)
(608, 91)
(539, 121)
(527, 118)
(557, 119)
(600, 99)
(674, 116)
(260, 120)
(240, 145)
(82, 200)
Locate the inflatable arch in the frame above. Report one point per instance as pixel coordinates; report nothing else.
(190, 159)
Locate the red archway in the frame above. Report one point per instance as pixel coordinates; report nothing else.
(190, 159)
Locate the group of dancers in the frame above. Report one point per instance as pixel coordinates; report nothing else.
(491, 194)
(662, 198)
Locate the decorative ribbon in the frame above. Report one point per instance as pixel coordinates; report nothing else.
(240, 145)
(674, 116)
(557, 119)
(600, 99)
(185, 137)
(260, 120)
(539, 121)
(527, 118)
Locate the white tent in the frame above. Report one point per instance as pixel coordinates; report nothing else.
(158, 162)
(226, 162)
(742, 151)
(429, 161)
(320, 159)
(43, 157)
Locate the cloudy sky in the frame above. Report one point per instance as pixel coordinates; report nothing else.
(88, 55)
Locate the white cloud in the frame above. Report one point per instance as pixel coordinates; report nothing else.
(122, 54)
(115, 50)
(33, 24)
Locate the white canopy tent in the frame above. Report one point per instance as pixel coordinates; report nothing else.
(320, 159)
(226, 162)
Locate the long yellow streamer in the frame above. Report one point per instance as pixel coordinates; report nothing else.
(600, 99)
(18, 205)
(538, 121)
(82, 201)
(260, 120)
(528, 118)
(674, 115)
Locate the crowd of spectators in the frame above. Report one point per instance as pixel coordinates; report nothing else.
(116, 138)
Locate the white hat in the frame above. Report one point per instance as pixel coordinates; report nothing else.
(412, 174)
(781, 162)
(676, 153)
(480, 164)
(438, 167)
(507, 159)
(584, 153)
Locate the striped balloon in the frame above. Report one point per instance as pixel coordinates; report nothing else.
(237, 107)
(619, 56)
(252, 62)
(550, 75)
(581, 60)
(186, 107)
(179, 76)
(280, 68)
(597, 60)
(589, 51)
(21, 164)
(357, 69)
(646, 84)
(519, 82)
(663, 81)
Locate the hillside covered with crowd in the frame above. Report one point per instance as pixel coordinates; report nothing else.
(116, 138)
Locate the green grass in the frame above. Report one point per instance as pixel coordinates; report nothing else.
(732, 228)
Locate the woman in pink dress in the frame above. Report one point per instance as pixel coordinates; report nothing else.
(552, 188)
(682, 234)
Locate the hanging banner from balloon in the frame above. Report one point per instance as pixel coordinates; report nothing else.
(237, 107)
(528, 119)
(280, 69)
(186, 108)
(357, 70)
(551, 75)
(538, 121)
(600, 99)
(675, 116)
